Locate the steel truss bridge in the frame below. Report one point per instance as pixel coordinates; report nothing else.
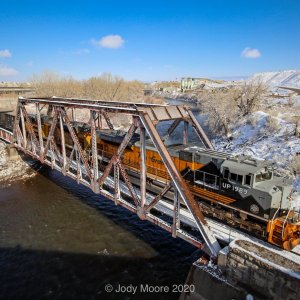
(113, 182)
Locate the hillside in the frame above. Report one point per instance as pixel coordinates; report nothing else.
(290, 78)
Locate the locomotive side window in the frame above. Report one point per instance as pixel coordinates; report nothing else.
(248, 180)
(226, 173)
(239, 179)
(236, 177)
(263, 176)
(233, 176)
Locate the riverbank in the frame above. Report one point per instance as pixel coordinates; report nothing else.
(12, 170)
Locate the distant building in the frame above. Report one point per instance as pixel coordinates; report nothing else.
(190, 83)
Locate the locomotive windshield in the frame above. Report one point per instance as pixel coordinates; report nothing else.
(266, 175)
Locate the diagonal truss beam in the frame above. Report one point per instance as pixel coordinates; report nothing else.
(199, 130)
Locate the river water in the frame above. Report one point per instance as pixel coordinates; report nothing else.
(60, 240)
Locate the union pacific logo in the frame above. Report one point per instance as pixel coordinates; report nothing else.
(155, 160)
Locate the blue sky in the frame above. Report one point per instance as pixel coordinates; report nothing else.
(148, 40)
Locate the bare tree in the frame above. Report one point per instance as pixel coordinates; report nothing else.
(221, 112)
(249, 96)
(105, 87)
(296, 121)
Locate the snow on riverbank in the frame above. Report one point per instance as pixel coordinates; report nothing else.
(13, 170)
(265, 137)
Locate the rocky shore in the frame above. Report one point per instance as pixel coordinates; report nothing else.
(11, 170)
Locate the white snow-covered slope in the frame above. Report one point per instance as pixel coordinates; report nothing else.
(258, 140)
(289, 78)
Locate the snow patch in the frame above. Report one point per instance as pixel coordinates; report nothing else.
(290, 78)
(253, 136)
(14, 170)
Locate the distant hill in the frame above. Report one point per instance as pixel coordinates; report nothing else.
(289, 78)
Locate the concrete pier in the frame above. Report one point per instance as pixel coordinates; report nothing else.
(209, 283)
(12, 152)
(262, 270)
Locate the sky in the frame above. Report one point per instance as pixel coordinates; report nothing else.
(148, 40)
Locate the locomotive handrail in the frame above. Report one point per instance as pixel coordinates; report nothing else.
(285, 220)
(7, 131)
(204, 181)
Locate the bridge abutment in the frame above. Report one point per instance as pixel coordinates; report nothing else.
(12, 153)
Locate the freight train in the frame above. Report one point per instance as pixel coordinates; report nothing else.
(238, 190)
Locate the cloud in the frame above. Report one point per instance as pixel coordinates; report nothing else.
(109, 41)
(250, 53)
(6, 71)
(5, 53)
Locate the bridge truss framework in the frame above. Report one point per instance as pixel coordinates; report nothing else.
(113, 182)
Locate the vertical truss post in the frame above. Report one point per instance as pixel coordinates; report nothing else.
(39, 123)
(79, 172)
(73, 114)
(116, 183)
(63, 144)
(16, 133)
(95, 177)
(49, 110)
(99, 121)
(52, 153)
(23, 127)
(176, 219)
(143, 167)
(185, 132)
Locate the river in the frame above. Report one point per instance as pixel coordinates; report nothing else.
(60, 240)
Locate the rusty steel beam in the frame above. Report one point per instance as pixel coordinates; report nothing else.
(143, 165)
(30, 130)
(76, 142)
(158, 197)
(185, 132)
(16, 134)
(106, 117)
(95, 186)
(171, 129)
(39, 123)
(23, 128)
(108, 103)
(129, 185)
(176, 218)
(49, 137)
(202, 135)
(117, 194)
(63, 145)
